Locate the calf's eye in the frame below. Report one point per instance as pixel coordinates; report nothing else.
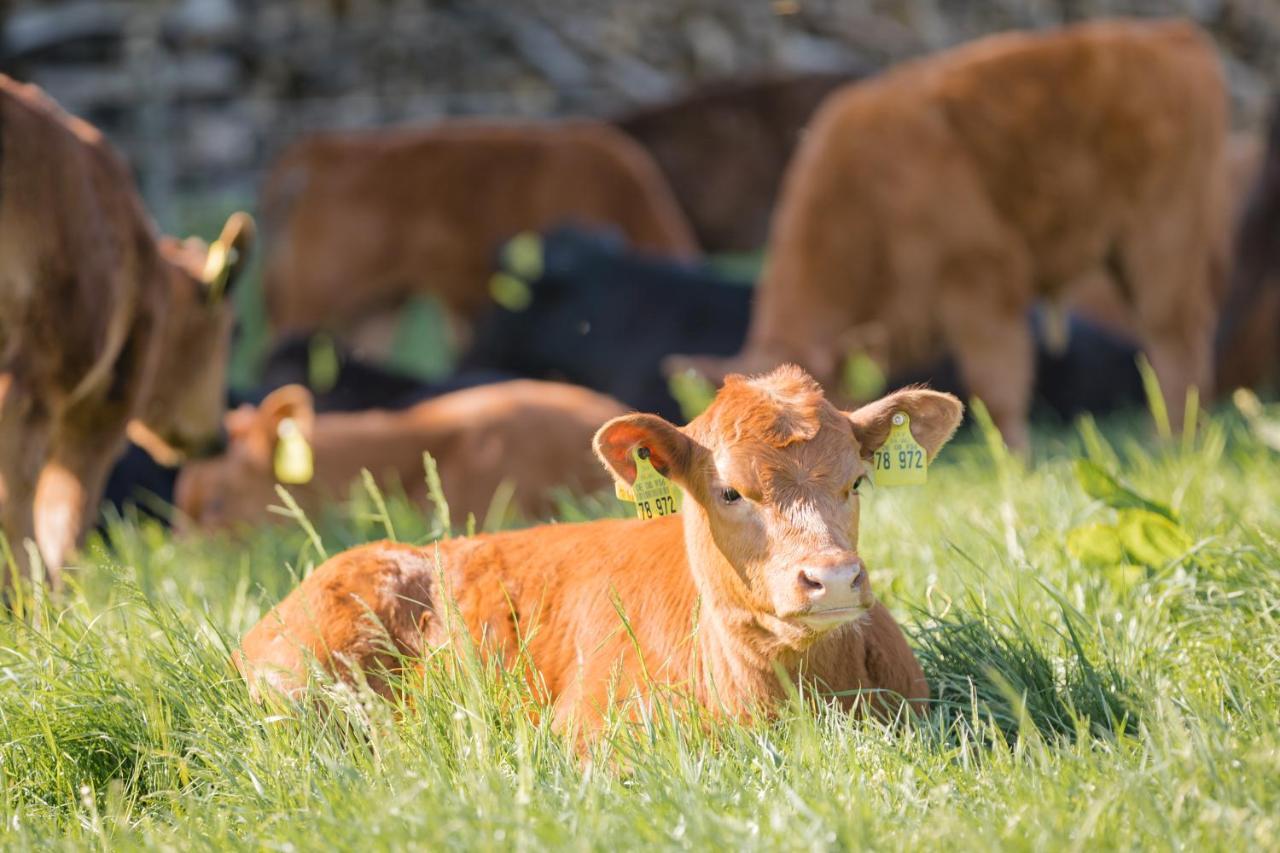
(857, 486)
(730, 496)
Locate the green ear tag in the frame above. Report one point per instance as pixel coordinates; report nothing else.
(653, 494)
(900, 461)
(293, 461)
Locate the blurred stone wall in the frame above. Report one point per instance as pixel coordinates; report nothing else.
(202, 93)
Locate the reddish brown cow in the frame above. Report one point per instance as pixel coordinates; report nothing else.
(760, 574)
(941, 198)
(103, 323)
(531, 436)
(724, 148)
(360, 222)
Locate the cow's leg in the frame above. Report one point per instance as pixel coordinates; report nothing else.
(69, 490)
(23, 441)
(1170, 274)
(983, 312)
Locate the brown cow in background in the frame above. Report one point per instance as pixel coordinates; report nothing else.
(725, 147)
(359, 222)
(533, 436)
(942, 198)
(103, 324)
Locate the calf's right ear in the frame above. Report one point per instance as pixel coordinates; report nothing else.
(670, 450)
(934, 418)
(290, 402)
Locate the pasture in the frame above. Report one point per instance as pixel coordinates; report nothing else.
(1112, 700)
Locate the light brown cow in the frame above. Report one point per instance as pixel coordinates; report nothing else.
(761, 572)
(360, 222)
(103, 323)
(944, 196)
(533, 436)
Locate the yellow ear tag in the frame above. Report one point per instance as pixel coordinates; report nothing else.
(653, 494)
(293, 461)
(900, 461)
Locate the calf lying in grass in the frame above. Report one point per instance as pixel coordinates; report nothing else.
(524, 436)
(760, 575)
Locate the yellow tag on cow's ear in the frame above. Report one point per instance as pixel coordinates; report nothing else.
(653, 494)
(900, 461)
(294, 464)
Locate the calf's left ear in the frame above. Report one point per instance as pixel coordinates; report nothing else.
(934, 418)
(670, 450)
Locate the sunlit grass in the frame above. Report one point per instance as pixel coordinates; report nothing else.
(1075, 706)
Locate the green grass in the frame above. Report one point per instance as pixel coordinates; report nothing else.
(1077, 705)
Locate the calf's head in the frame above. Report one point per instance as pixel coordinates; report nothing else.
(236, 487)
(772, 474)
(183, 412)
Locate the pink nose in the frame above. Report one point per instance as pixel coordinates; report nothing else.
(831, 581)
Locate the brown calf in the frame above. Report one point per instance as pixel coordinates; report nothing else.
(761, 571)
(103, 323)
(359, 222)
(941, 198)
(532, 436)
(724, 148)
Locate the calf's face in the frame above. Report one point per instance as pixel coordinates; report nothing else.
(184, 410)
(775, 473)
(236, 487)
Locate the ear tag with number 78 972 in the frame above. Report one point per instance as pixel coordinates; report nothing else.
(653, 494)
(900, 461)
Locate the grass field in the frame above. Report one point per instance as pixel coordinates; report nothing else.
(1127, 697)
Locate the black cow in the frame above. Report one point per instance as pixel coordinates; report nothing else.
(604, 317)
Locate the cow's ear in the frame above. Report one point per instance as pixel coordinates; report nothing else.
(934, 418)
(670, 451)
(228, 256)
(291, 403)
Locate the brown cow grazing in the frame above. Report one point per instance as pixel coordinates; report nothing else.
(762, 571)
(360, 222)
(103, 324)
(533, 436)
(941, 198)
(724, 148)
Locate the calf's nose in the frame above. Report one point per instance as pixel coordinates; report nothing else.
(831, 581)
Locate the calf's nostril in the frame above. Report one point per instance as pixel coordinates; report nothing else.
(809, 583)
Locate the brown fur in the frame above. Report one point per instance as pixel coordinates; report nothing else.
(103, 324)
(531, 435)
(716, 599)
(724, 148)
(362, 221)
(943, 197)
(1098, 297)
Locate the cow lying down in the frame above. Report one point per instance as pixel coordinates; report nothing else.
(763, 561)
(532, 436)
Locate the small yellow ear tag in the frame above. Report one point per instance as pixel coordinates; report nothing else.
(293, 462)
(653, 494)
(900, 461)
